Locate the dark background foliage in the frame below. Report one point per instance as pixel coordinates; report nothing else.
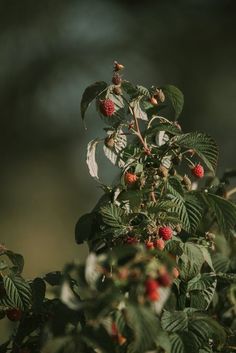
(50, 50)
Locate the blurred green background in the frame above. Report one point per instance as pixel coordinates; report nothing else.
(49, 52)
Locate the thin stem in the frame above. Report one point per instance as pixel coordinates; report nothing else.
(137, 131)
(153, 197)
(189, 160)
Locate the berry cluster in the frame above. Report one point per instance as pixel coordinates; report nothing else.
(164, 279)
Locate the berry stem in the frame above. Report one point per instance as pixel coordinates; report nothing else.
(137, 131)
(189, 160)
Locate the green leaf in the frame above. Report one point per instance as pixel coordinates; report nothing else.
(160, 206)
(163, 341)
(137, 109)
(188, 267)
(90, 93)
(167, 127)
(176, 98)
(133, 197)
(221, 263)
(112, 215)
(38, 293)
(224, 211)
(128, 87)
(189, 210)
(174, 187)
(54, 278)
(177, 345)
(206, 350)
(113, 153)
(201, 290)
(145, 327)
(98, 337)
(18, 292)
(84, 227)
(203, 145)
(174, 247)
(176, 321)
(200, 329)
(17, 260)
(91, 160)
(210, 327)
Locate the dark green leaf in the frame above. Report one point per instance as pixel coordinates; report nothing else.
(203, 145)
(84, 227)
(176, 98)
(112, 215)
(145, 327)
(225, 212)
(38, 287)
(188, 267)
(98, 337)
(90, 93)
(18, 292)
(54, 278)
(201, 290)
(177, 345)
(17, 260)
(176, 321)
(221, 263)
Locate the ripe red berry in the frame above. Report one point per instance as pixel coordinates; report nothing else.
(131, 240)
(114, 329)
(151, 286)
(149, 245)
(198, 171)
(130, 178)
(154, 296)
(165, 280)
(159, 244)
(166, 232)
(14, 314)
(107, 107)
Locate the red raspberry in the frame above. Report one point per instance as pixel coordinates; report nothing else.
(166, 232)
(152, 286)
(130, 178)
(159, 244)
(131, 241)
(175, 272)
(154, 296)
(198, 171)
(14, 314)
(149, 245)
(165, 280)
(116, 79)
(107, 107)
(114, 329)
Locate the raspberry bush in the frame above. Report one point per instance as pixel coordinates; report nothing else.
(161, 271)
